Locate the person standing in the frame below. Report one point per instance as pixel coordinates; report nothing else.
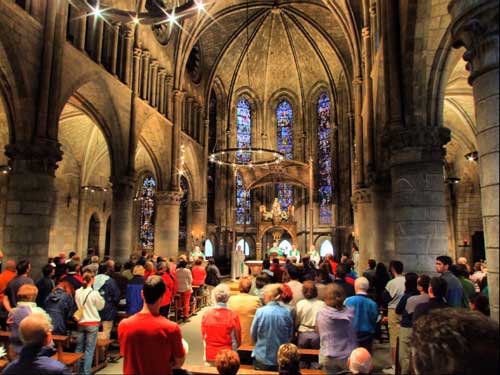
(455, 291)
(271, 327)
(314, 255)
(220, 326)
(150, 343)
(10, 299)
(394, 291)
(7, 275)
(91, 302)
(109, 290)
(184, 287)
(366, 313)
(196, 253)
(45, 284)
(294, 253)
(237, 263)
(245, 305)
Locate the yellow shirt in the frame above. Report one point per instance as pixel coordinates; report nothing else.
(245, 305)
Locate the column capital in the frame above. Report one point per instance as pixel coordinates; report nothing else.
(365, 32)
(358, 80)
(424, 142)
(121, 183)
(474, 25)
(169, 197)
(146, 53)
(168, 78)
(39, 157)
(162, 72)
(155, 63)
(137, 52)
(361, 196)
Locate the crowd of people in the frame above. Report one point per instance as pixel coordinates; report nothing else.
(330, 305)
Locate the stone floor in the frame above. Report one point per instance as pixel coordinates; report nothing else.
(191, 332)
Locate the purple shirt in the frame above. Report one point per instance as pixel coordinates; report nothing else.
(336, 332)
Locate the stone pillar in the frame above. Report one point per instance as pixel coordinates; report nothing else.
(136, 70)
(358, 125)
(368, 144)
(82, 29)
(145, 74)
(161, 90)
(127, 55)
(153, 83)
(418, 196)
(121, 218)
(167, 222)
(178, 104)
(98, 38)
(30, 201)
(114, 47)
(169, 97)
(475, 26)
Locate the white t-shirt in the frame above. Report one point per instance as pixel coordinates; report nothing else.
(396, 288)
(307, 310)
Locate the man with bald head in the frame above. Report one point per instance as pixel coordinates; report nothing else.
(36, 334)
(360, 362)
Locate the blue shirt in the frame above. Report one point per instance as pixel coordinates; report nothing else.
(36, 360)
(455, 289)
(272, 326)
(365, 313)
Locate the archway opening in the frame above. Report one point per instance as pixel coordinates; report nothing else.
(209, 249)
(244, 245)
(326, 248)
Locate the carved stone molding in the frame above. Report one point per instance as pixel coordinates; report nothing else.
(429, 138)
(123, 187)
(361, 196)
(198, 205)
(39, 157)
(475, 27)
(169, 197)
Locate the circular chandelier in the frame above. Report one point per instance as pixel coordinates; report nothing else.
(246, 157)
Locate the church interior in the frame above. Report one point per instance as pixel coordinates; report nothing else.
(221, 123)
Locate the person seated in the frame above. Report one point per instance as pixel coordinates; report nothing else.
(288, 360)
(227, 362)
(455, 341)
(36, 335)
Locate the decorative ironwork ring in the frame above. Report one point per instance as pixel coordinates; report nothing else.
(246, 157)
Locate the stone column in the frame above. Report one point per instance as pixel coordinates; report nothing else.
(153, 83)
(82, 29)
(418, 196)
(30, 202)
(358, 125)
(121, 217)
(127, 55)
(167, 222)
(145, 74)
(98, 37)
(169, 95)
(178, 105)
(368, 144)
(114, 47)
(161, 90)
(475, 27)
(136, 70)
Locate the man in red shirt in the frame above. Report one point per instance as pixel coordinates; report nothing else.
(149, 343)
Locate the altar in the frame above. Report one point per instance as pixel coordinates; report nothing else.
(255, 266)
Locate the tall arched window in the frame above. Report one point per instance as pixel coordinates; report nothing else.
(284, 116)
(183, 214)
(243, 140)
(244, 245)
(325, 159)
(209, 249)
(326, 248)
(147, 198)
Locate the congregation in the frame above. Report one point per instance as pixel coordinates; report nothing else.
(436, 324)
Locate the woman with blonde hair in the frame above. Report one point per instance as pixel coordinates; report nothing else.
(90, 302)
(288, 360)
(134, 289)
(336, 331)
(271, 327)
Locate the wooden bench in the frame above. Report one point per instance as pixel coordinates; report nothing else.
(244, 370)
(69, 359)
(101, 361)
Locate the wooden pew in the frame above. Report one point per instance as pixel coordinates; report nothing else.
(101, 361)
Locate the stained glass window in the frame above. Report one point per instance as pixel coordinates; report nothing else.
(147, 199)
(183, 214)
(324, 160)
(243, 140)
(284, 116)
